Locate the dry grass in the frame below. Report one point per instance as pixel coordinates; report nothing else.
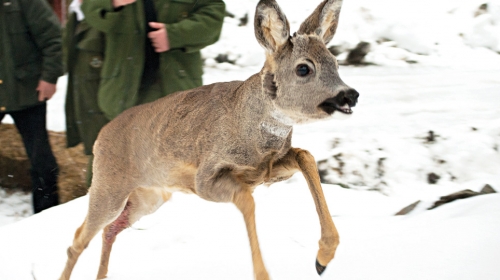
(14, 164)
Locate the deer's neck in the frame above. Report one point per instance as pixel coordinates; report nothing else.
(276, 124)
(273, 127)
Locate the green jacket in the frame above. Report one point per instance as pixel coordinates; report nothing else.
(84, 54)
(30, 50)
(191, 25)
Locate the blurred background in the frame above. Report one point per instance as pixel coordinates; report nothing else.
(423, 142)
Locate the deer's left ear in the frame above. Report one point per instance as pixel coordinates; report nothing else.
(323, 21)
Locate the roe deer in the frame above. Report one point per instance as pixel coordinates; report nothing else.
(220, 141)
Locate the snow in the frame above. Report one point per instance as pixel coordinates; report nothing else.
(382, 150)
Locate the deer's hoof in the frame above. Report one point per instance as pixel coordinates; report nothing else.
(319, 268)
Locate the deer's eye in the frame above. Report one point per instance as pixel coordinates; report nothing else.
(303, 70)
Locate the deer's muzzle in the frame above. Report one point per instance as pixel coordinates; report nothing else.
(342, 102)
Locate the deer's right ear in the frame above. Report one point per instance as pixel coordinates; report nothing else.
(272, 29)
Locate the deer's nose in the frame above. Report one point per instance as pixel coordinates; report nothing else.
(348, 96)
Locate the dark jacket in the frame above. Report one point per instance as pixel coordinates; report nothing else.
(84, 54)
(30, 50)
(191, 26)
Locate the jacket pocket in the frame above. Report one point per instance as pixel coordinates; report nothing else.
(181, 9)
(28, 70)
(88, 65)
(27, 77)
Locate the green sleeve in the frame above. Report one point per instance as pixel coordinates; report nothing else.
(45, 29)
(101, 14)
(200, 29)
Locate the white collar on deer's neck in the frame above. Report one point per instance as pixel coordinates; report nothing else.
(278, 125)
(275, 129)
(277, 115)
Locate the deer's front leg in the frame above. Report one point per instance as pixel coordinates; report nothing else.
(245, 203)
(298, 159)
(218, 183)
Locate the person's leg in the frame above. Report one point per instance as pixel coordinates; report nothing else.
(44, 169)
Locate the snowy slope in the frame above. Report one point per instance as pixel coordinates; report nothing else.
(189, 238)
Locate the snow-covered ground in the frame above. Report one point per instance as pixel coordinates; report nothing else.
(381, 153)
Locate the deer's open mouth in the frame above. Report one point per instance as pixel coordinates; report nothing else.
(343, 102)
(331, 105)
(346, 109)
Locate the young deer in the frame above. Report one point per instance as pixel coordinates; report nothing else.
(220, 141)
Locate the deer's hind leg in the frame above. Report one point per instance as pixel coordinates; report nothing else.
(301, 160)
(141, 202)
(103, 209)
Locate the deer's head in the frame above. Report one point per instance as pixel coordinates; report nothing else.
(300, 74)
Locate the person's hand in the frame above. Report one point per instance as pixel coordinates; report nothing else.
(45, 90)
(159, 37)
(119, 3)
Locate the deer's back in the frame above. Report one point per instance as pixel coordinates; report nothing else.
(177, 129)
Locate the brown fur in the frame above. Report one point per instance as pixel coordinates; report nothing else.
(218, 141)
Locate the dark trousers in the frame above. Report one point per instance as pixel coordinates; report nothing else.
(44, 170)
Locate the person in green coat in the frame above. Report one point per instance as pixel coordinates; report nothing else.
(152, 47)
(84, 55)
(30, 64)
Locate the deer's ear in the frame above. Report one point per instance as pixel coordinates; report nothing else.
(272, 29)
(323, 21)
